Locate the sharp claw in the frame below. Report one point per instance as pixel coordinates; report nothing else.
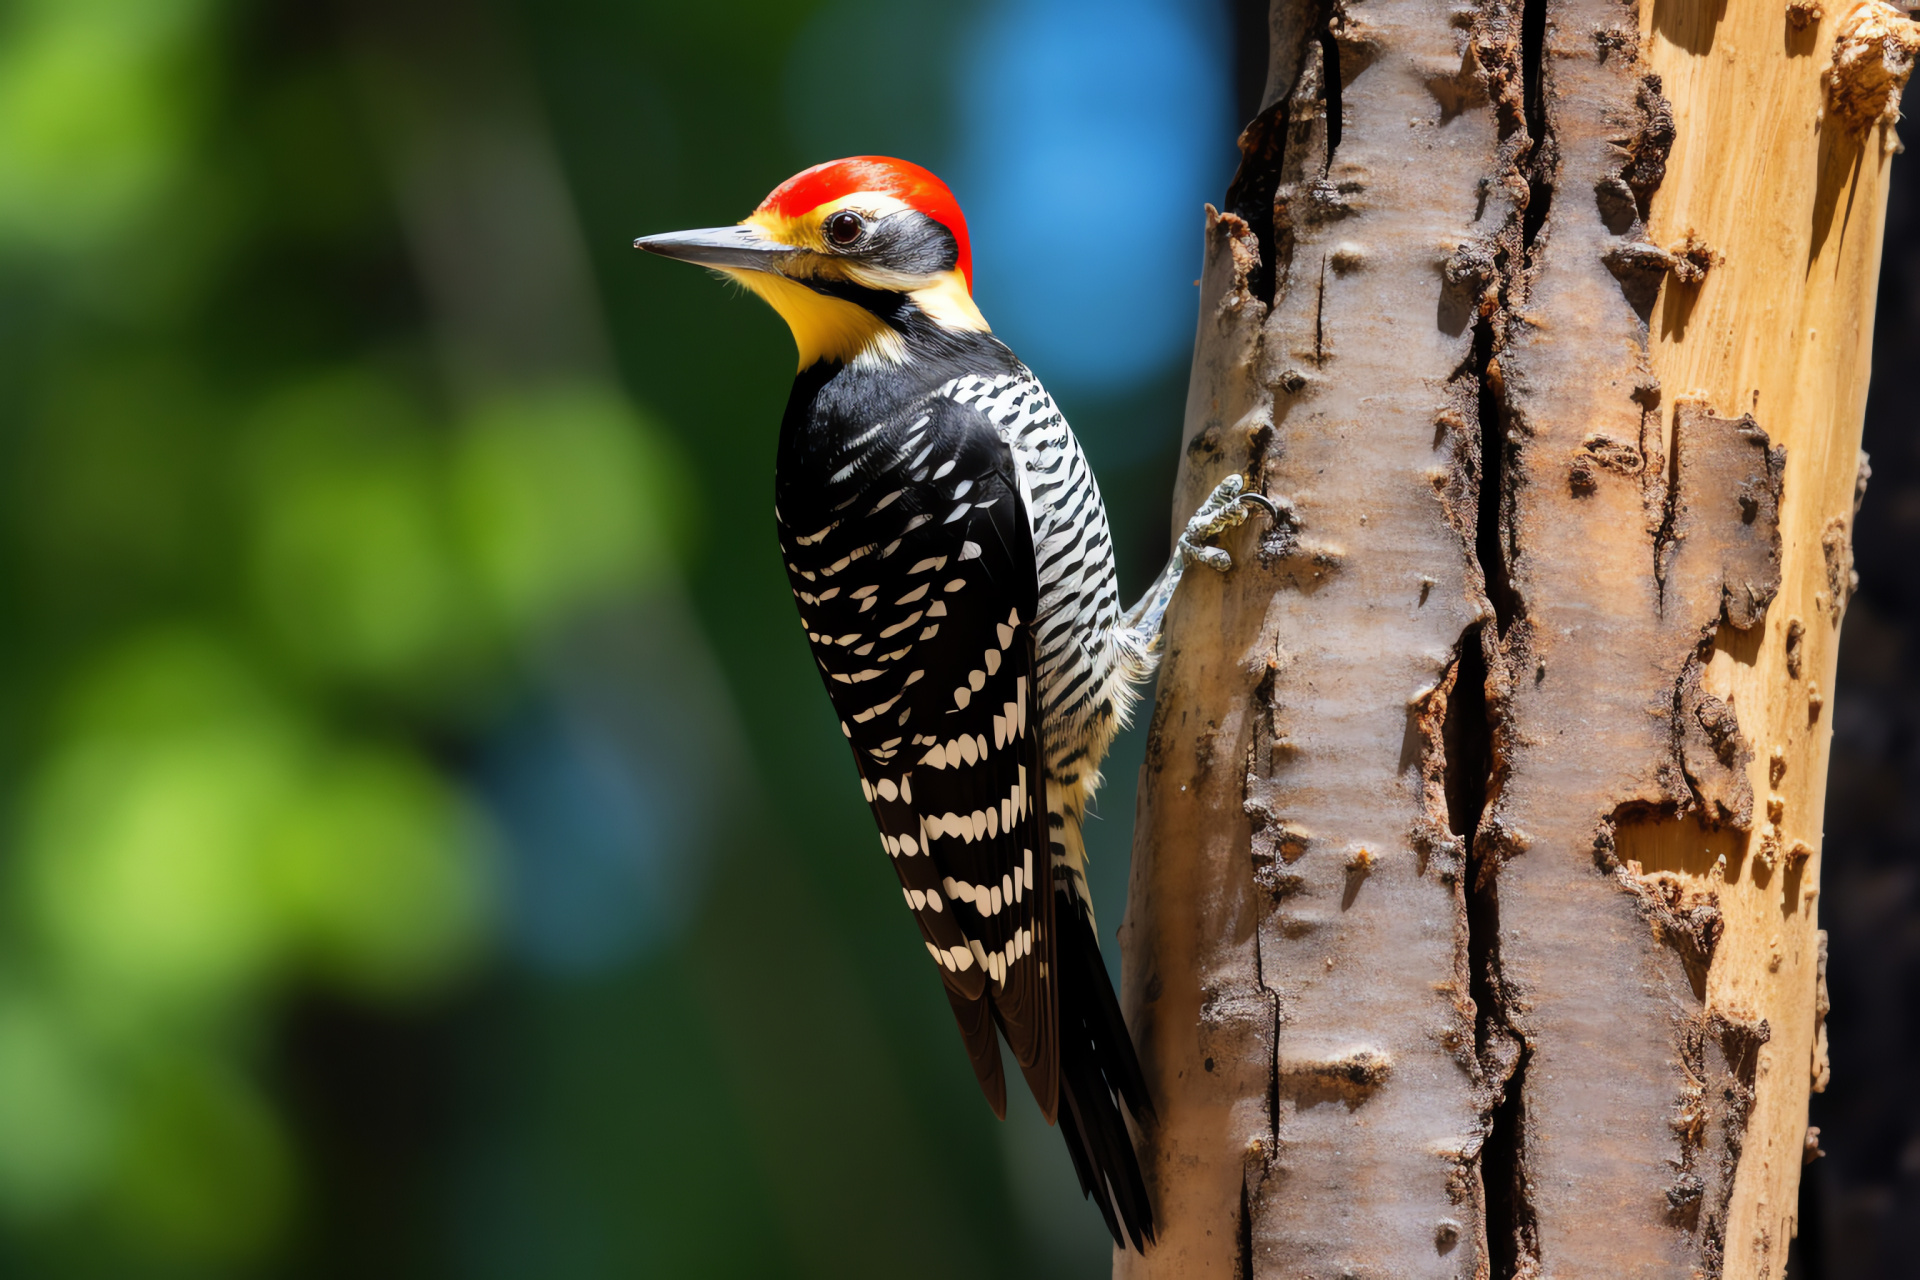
(1225, 508)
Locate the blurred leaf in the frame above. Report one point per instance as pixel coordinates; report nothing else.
(565, 500)
(142, 831)
(193, 837)
(383, 874)
(352, 557)
(53, 1111)
(204, 1173)
(97, 101)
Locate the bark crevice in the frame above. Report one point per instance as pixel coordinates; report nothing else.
(1276, 170)
(1243, 1243)
(1501, 1051)
(1250, 196)
(1330, 75)
(1254, 194)
(1481, 706)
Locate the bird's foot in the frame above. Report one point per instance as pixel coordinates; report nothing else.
(1228, 505)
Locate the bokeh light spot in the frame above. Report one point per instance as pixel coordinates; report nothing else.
(1091, 135)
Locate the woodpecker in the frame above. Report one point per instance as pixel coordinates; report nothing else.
(949, 552)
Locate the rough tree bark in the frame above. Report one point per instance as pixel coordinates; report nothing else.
(1473, 924)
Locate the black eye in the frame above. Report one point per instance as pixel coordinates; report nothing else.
(844, 227)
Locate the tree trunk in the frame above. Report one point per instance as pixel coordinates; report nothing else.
(1472, 928)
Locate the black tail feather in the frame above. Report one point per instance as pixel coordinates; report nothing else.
(1090, 1186)
(977, 1019)
(1097, 1061)
(1112, 1042)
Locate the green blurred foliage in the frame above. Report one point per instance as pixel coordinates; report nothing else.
(99, 102)
(263, 573)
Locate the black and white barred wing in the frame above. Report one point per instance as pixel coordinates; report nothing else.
(919, 590)
(978, 778)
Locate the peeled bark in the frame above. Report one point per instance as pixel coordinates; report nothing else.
(1472, 929)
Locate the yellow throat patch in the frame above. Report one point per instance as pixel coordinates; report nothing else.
(826, 328)
(829, 328)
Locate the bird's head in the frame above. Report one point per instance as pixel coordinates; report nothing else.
(857, 256)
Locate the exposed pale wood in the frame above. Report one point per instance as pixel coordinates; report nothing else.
(1472, 927)
(1792, 203)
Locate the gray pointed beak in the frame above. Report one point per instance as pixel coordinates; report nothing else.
(739, 248)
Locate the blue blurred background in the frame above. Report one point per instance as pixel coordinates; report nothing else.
(426, 848)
